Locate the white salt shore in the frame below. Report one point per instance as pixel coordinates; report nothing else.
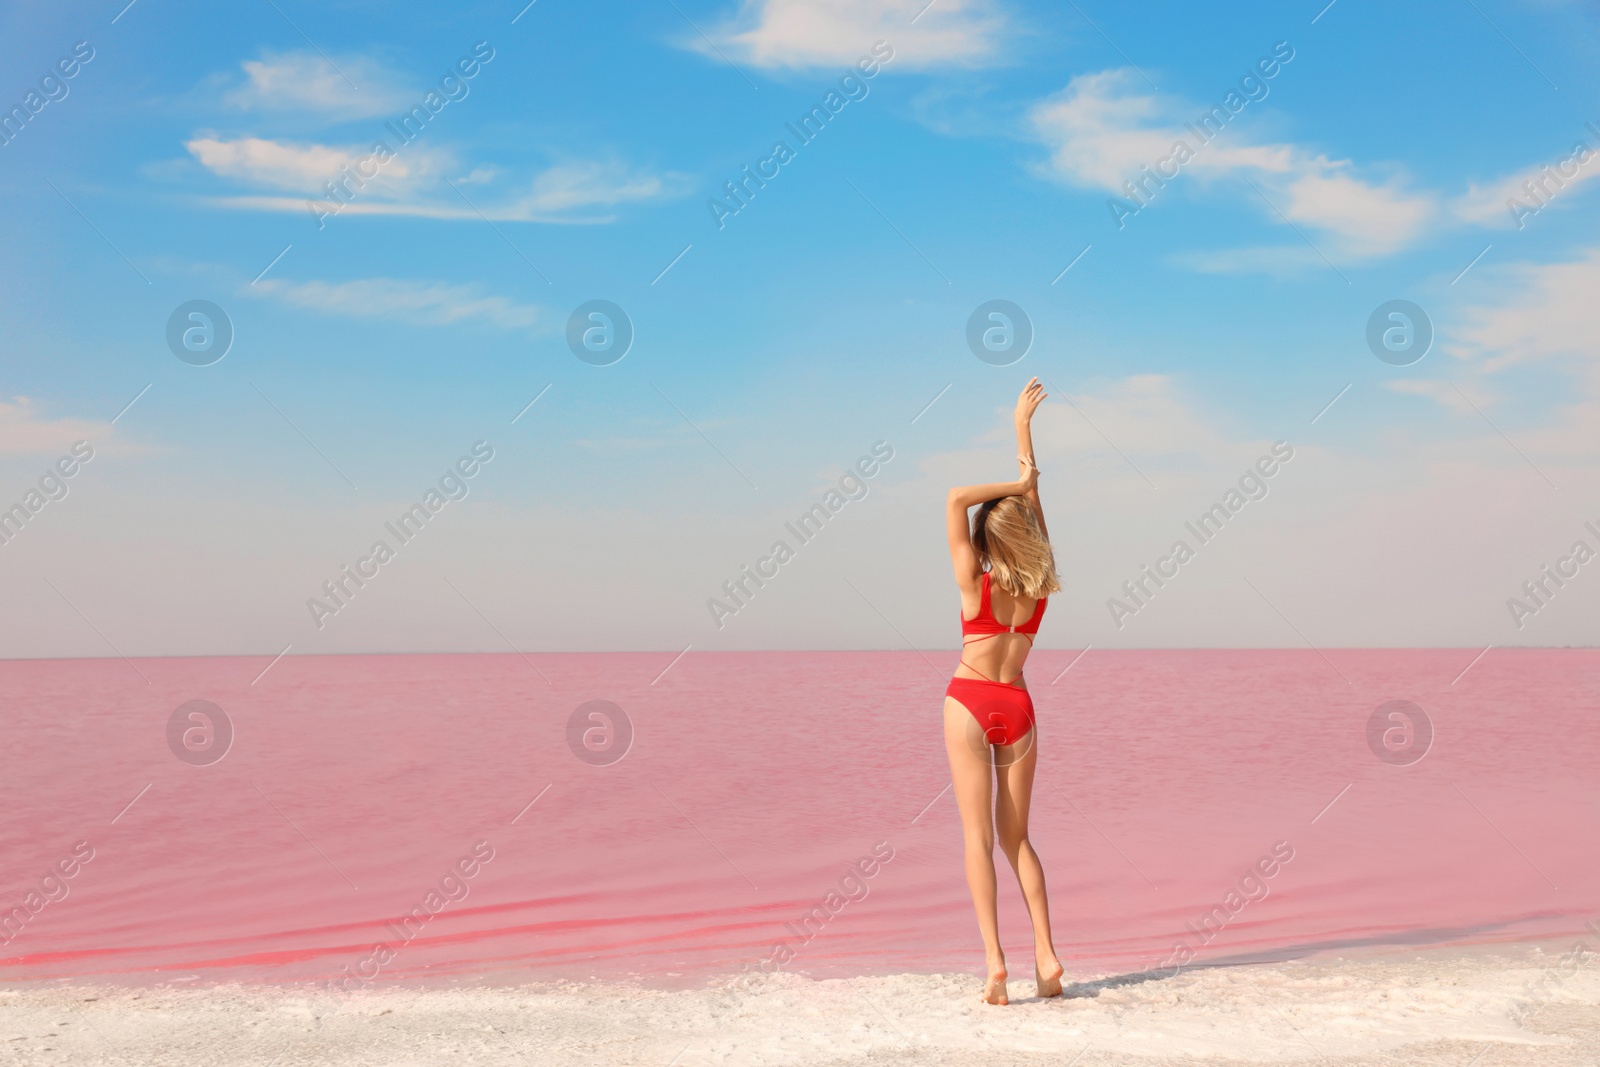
(1521, 1005)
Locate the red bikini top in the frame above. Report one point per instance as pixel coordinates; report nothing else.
(986, 624)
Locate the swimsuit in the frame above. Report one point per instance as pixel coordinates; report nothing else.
(1004, 711)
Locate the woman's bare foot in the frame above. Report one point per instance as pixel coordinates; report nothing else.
(1047, 972)
(994, 991)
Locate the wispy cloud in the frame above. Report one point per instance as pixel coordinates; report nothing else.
(800, 34)
(1368, 218)
(416, 182)
(306, 168)
(1442, 393)
(585, 185)
(1540, 313)
(1493, 204)
(305, 82)
(1543, 312)
(1103, 128)
(24, 431)
(422, 303)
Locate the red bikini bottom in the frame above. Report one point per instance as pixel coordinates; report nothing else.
(1004, 712)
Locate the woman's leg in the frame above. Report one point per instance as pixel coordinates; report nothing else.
(1014, 767)
(969, 775)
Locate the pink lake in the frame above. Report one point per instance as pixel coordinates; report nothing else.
(355, 784)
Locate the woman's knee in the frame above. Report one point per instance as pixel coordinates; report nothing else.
(981, 841)
(1012, 838)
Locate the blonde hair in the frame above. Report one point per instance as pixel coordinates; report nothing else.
(1009, 541)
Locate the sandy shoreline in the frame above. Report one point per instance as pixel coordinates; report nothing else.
(1440, 1007)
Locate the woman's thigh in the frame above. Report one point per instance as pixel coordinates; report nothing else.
(969, 765)
(1014, 766)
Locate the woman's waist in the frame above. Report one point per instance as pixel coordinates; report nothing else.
(966, 673)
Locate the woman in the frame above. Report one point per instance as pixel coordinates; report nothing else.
(1005, 570)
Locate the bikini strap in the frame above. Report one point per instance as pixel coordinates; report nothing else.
(985, 607)
(976, 671)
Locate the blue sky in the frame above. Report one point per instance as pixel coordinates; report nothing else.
(771, 352)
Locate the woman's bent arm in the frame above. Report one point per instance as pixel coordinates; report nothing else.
(962, 555)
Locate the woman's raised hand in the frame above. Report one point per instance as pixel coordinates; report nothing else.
(1033, 395)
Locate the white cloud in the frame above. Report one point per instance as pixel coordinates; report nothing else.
(412, 182)
(1533, 188)
(835, 33)
(1542, 314)
(307, 82)
(1100, 133)
(424, 303)
(1440, 392)
(1106, 126)
(1367, 218)
(1103, 129)
(1548, 311)
(582, 185)
(306, 168)
(25, 432)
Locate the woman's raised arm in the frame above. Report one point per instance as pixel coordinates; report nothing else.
(1033, 395)
(963, 557)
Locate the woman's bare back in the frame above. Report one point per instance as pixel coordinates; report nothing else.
(1000, 657)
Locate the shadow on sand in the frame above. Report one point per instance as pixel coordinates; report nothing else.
(1408, 938)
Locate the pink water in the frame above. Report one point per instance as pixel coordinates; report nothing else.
(755, 780)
